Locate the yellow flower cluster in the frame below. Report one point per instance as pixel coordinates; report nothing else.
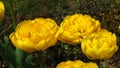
(2, 10)
(40, 33)
(37, 34)
(78, 26)
(76, 64)
(99, 45)
(96, 43)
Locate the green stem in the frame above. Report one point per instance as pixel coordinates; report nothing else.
(102, 64)
(12, 11)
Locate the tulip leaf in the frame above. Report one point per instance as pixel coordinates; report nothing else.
(6, 40)
(19, 56)
(10, 55)
(10, 65)
(1, 46)
(28, 61)
(3, 50)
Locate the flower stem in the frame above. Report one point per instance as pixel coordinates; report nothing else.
(12, 11)
(102, 64)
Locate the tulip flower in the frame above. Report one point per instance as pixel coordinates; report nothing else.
(119, 27)
(100, 45)
(35, 35)
(78, 26)
(2, 10)
(76, 64)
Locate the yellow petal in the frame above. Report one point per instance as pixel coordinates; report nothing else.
(2, 10)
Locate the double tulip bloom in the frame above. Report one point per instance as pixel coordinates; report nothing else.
(76, 64)
(77, 27)
(100, 45)
(2, 10)
(35, 35)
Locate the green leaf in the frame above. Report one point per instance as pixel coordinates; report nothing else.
(10, 65)
(29, 59)
(19, 56)
(6, 40)
(2, 46)
(28, 62)
(9, 55)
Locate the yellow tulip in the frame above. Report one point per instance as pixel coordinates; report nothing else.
(100, 45)
(76, 64)
(119, 27)
(2, 10)
(78, 26)
(35, 35)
